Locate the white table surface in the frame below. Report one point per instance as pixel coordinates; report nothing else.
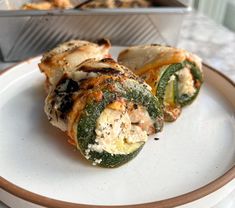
(216, 45)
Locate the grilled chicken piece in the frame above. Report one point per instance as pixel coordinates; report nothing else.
(89, 75)
(142, 58)
(174, 74)
(65, 57)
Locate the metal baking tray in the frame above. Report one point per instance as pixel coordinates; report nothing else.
(26, 33)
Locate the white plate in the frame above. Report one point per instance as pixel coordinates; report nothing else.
(193, 151)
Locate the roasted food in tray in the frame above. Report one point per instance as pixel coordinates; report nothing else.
(175, 75)
(111, 4)
(107, 111)
(48, 5)
(90, 4)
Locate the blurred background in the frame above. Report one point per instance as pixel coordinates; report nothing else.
(221, 11)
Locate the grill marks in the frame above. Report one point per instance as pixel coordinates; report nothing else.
(64, 96)
(66, 85)
(104, 42)
(99, 70)
(67, 89)
(107, 66)
(65, 105)
(67, 57)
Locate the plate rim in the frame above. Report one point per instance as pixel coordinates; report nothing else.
(166, 203)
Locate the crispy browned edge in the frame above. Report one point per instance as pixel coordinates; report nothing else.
(167, 203)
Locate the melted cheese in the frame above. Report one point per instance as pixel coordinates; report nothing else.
(157, 63)
(143, 58)
(152, 77)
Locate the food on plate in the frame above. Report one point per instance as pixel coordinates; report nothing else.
(107, 111)
(174, 74)
(115, 4)
(47, 5)
(66, 56)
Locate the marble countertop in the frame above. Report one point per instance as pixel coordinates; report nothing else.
(215, 45)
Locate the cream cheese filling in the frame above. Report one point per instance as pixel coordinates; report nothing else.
(186, 82)
(116, 134)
